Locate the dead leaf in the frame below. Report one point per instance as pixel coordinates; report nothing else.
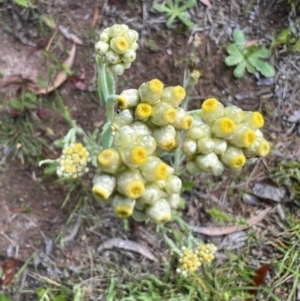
(206, 2)
(127, 245)
(258, 279)
(69, 36)
(9, 270)
(95, 17)
(39, 46)
(217, 231)
(61, 76)
(251, 43)
(15, 79)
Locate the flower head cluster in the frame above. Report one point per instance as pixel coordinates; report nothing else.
(222, 137)
(117, 46)
(190, 260)
(133, 177)
(73, 161)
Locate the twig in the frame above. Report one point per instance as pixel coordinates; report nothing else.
(217, 231)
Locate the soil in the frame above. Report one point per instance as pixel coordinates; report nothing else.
(31, 217)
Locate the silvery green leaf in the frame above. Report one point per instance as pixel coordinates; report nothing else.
(263, 67)
(233, 50)
(262, 53)
(250, 68)
(233, 60)
(239, 70)
(239, 38)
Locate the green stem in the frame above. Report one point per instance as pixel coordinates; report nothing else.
(102, 83)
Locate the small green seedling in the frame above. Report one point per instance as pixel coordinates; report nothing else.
(173, 11)
(250, 58)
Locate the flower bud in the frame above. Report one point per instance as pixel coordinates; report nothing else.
(131, 36)
(134, 46)
(207, 162)
(220, 146)
(234, 113)
(243, 136)
(174, 200)
(173, 95)
(183, 121)
(151, 194)
(173, 184)
(122, 206)
(116, 30)
(189, 147)
(139, 205)
(154, 169)
(125, 117)
(130, 183)
(109, 160)
(211, 110)
(141, 128)
(261, 148)
(129, 56)
(117, 69)
(218, 169)
(205, 145)
(104, 36)
(124, 136)
(233, 158)
(163, 113)
(112, 58)
(103, 186)
(128, 98)
(101, 48)
(151, 91)
(199, 131)
(160, 212)
(254, 120)
(192, 168)
(165, 137)
(148, 142)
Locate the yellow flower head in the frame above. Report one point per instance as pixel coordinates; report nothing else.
(139, 155)
(248, 138)
(258, 119)
(161, 171)
(156, 86)
(189, 262)
(169, 115)
(78, 147)
(134, 189)
(226, 125)
(237, 161)
(119, 45)
(168, 144)
(106, 157)
(123, 211)
(263, 148)
(210, 105)
(187, 122)
(122, 102)
(143, 110)
(100, 193)
(178, 93)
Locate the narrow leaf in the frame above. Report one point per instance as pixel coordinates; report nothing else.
(262, 53)
(263, 67)
(187, 5)
(161, 8)
(238, 72)
(186, 21)
(23, 3)
(250, 68)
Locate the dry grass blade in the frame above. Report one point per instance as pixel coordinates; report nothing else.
(127, 245)
(15, 79)
(61, 76)
(206, 2)
(95, 17)
(216, 231)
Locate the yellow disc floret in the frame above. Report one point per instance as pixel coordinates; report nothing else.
(179, 93)
(119, 45)
(237, 161)
(187, 122)
(143, 111)
(248, 138)
(106, 157)
(161, 171)
(123, 211)
(122, 102)
(258, 119)
(226, 125)
(156, 86)
(139, 155)
(210, 105)
(100, 193)
(263, 148)
(169, 115)
(134, 189)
